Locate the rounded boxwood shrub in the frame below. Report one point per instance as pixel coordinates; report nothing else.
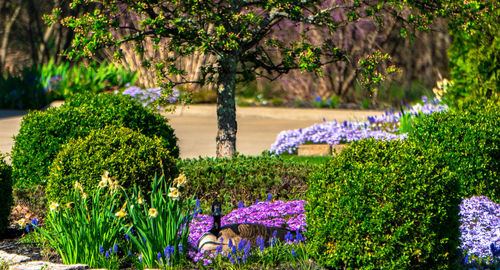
(129, 156)
(244, 178)
(5, 193)
(43, 133)
(384, 205)
(470, 140)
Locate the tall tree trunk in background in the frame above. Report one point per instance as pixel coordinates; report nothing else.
(226, 107)
(6, 33)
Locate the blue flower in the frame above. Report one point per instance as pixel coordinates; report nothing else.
(241, 204)
(218, 249)
(166, 251)
(293, 253)
(260, 243)
(34, 221)
(241, 244)
(127, 237)
(230, 243)
(101, 250)
(107, 254)
(115, 248)
(181, 248)
(317, 99)
(129, 253)
(158, 256)
(269, 196)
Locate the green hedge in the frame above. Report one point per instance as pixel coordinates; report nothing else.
(384, 205)
(129, 156)
(244, 178)
(5, 193)
(43, 133)
(470, 143)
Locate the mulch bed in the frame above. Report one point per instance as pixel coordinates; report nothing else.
(10, 239)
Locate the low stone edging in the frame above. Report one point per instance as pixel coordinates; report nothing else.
(19, 262)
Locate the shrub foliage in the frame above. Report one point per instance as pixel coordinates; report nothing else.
(384, 205)
(129, 156)
(470, 143)
(5, 193)
(43, 133)
(244, 178)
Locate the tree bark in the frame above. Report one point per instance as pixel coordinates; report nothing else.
(5, 38)
(226, 107)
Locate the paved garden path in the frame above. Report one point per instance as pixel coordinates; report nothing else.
(196, 126)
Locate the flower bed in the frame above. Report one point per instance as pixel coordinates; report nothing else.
(383, 127)
(480, 228)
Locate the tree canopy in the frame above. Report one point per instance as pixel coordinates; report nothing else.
(243, 36)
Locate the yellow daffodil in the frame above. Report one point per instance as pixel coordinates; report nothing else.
(78, 186)
(140, 200)
(22, 222)
(105, 177)
(69, 205)
(153, 212)
(120, 213)
(53, 206)
(114, 186)
(181, 180)
(174, 193)
(84, 195)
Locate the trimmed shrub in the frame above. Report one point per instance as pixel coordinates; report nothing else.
(43, 133)
(129, 156)
(470, 143)
(384, 205)
(244, 178)
(5, 193)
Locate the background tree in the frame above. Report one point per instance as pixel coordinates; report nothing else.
(238, 34)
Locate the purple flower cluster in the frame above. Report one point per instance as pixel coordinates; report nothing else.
(480, 218)
(268, 213)
(480, 228)
(149, 96)
(332, 133)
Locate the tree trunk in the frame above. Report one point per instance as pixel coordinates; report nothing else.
(5, 38)
(226, 108)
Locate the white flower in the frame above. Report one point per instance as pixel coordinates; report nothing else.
(53, 206)
(181, 180)
(174, 193)
(153, 212)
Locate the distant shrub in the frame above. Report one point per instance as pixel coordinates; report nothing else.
(384, 205)
(244, 178)
(470, 143)
(43, 133)
(129, 156)
(5, 193)
(22, 91)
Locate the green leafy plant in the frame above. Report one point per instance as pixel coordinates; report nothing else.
(130, 156)
(333, 101)
(42, 134)
(474, 54)
(62, 81)
(5, 193)
(22, 91)
(159, 230)
(469, 140)
(408, 121)
(86, 229)
(244, 178)
(384, 205)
